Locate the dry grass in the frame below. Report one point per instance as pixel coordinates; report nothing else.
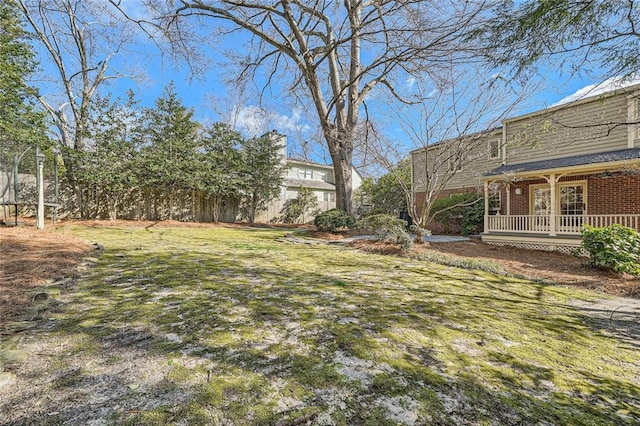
(30, 258)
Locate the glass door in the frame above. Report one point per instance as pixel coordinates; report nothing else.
(541, 208)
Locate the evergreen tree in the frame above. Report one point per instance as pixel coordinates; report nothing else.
(387, 193)
(108, 166)
(222, 166)
(21, 124)
(170, 143)
(263, 176)
(222, 170)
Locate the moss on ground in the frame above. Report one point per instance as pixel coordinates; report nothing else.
(257, 331)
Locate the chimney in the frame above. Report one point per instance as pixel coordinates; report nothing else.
(281, 140)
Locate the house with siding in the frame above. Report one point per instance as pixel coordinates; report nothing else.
(553, 171)
(304, 174)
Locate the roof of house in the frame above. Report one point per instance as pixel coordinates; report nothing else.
(559, 163)
(320, 165)
(583, 96)
(310, 163)
(609, 85)
(309, 183)
(483, 134)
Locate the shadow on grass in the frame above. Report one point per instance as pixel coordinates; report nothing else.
(339, 337)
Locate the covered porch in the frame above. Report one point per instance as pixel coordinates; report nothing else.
(546, 204)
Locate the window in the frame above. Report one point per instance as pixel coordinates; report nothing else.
(495, 199)
(494, 148)
(456, 162)
(572, 199)
(305, 174)
(540, 199)
(329, 197)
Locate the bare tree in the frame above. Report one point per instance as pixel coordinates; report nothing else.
(333, 55)
(450, 130)
(79, 39)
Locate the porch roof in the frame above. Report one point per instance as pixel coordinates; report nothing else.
(568, 162)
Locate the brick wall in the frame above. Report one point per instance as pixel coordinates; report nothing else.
(611, 193)
(618, 193)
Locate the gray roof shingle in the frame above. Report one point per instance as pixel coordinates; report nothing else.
(559, 163)
(309, 183)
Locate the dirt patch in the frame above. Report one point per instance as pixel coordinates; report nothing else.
(30, 258)
(550, 266)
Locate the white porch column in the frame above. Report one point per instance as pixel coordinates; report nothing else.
(508, 187)
(486, 206)
(552, 207)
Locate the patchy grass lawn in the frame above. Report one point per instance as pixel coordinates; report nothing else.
(230, 326)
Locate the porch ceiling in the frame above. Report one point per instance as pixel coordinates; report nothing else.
(578, 162)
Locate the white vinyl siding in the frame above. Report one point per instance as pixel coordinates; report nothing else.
(291, 194)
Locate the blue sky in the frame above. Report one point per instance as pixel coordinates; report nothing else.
(212, 100)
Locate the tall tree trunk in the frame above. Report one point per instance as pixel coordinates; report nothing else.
(343, 175)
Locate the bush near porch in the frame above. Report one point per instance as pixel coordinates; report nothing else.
(614, 247)
(461, 213)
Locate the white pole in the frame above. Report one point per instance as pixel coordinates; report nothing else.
(486, 207)
(40, 187)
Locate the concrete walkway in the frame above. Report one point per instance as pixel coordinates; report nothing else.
(444, 238)
(428, 239)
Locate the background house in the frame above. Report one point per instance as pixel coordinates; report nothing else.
(304, 174)
(558, 169)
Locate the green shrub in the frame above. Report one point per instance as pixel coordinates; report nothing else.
(468, 207)
(473, 217)
(387, 228)
(299, 209)
(420, 233)
(614, 247)
(334, 220)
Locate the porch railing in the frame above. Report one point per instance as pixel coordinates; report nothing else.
(564, 224)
